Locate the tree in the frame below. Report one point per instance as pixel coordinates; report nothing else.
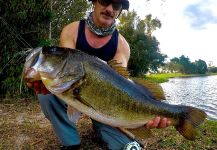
(151, 24)
(65, 12)
(172, 67)
(186, 63)
(183, 65)
(212, 69)
(127, 25)
(201, 66)
(145, 52)
(23, 25)
(26, 24)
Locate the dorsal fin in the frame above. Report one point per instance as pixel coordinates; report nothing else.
(73, 114)
(119, 68)
(153, 87)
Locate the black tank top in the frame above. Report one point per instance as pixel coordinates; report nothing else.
(106, 52)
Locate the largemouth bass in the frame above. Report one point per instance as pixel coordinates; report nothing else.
(98, 90)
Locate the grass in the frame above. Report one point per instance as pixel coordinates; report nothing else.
(169, 139)
(164, 77)
(23, 127)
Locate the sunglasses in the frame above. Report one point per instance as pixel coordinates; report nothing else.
(115, 5)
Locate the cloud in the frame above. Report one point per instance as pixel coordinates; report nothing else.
(200, 15)
(188, 27)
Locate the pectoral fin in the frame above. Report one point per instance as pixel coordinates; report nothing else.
(76, 94)
(73, 114)
(83, 101)
(154, 88)
(141, 133)
(138, 134)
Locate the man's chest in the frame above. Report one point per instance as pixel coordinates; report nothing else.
(96, 41)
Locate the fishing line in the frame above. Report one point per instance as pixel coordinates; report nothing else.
(17, 35)
(22, 53)
(12, 31)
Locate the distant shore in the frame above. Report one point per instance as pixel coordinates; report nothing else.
(164, 77)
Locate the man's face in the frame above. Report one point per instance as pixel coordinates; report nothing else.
(105, 12)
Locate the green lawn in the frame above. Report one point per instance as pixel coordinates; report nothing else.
(164, 77)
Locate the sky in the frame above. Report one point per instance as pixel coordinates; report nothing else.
(189, 27)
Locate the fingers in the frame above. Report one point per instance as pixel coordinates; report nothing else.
(29, 84)
(153, 123)
(158, 123)
(163, 123)
(169, 122)
(38, 87)
(149, 124)
(44, 89)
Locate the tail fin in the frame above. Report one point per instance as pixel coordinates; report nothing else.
(193, 117)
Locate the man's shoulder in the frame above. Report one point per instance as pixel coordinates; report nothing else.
(70, 31)
(122, 40)
(71, 27)
(68, 35)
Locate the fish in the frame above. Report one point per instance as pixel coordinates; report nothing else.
(105, 92)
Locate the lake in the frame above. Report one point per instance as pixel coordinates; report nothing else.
(200, 92)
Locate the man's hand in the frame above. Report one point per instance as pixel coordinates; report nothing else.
(158, 123)
(38, 87)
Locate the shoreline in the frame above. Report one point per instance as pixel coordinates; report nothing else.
(164, 77)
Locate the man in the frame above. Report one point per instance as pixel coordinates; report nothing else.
(97, 36)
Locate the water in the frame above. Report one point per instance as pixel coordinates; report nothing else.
(200, 92)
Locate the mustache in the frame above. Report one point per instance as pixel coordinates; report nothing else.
(108, 13)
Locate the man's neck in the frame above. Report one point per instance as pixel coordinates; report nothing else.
(94, 40)
(93, 26)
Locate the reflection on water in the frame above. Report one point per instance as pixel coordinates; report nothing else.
(200, 92)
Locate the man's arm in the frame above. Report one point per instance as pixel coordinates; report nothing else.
(123, 51)
(68, 35)
(122, 56)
